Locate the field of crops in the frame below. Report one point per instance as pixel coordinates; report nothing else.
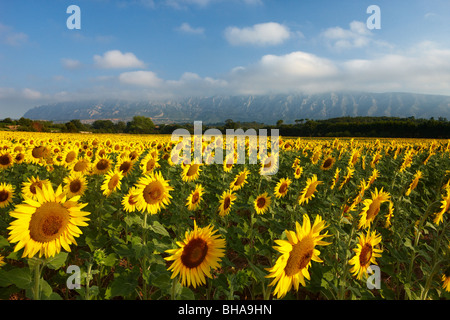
(113, 217)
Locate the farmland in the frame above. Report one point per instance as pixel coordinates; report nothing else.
(137, 225)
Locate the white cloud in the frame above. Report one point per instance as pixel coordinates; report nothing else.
(187, 28)
(70, 63)
(12, 38)
(262, 34)
(140, 78)
(116, 59)
(357, 36)
(31, 94)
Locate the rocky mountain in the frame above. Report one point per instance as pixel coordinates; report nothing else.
(260, 108)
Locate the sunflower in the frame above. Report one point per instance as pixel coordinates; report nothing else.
(75, 184)
(102, 165)
(291, 268)
(298, 170)
(200, 251)
(262, 203)
(228, 163)
(152, 193)
(46, 224)
(269, 164)
(191, 172)
(365, 254)
(414, 183)
(328, 163)
(6, 194)
(149, 163)
(308, 192)
(240, 180)
(6, 160)
(347, 177)
(29, 188)
(82, 165)
(226, 202)
(372, 207)
(439, 216)
(446, 280)
(389, 215)
(129, 201)
(37, 154)
(69, 156)
(282, 187)
(112, 182)
(335, 178)
(2, 260)
(125, 166)
(194, 199)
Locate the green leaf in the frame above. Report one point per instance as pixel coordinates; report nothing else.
(3, 242)
(186, 294)
(57, 261)
(159, 229)
(21, 277)
(124, 285)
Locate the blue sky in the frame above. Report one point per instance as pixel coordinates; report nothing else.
(163, 49)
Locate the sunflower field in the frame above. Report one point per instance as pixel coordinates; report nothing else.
(99, 217)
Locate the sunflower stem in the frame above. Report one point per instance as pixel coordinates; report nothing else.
(37, 279)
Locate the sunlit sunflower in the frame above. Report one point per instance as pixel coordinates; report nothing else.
(291, 268)
(439, 216)
(29, 188)
(347, 177)
(298, 170)
(414, 183)
(149, 163)
(112, 182)
(37, 155)
(269, 164)
(446, 279)
(335, 178)
(82, 165)
(129, 201)
(226, 202)
(153, 193)
(262, 203)
(328, 163)
(372, 207)
(282, 187)
(200, 251)
(390, 215)
(102, 165)
(195, 197)
(191, 172)
(70, 156)
(240, 180)
(75, 184)
(228, 163)
(6, 194)
(309, 190)
(6, 160)
(125, 166)
(365, 254)
(45, 225)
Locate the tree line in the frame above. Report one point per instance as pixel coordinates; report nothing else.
(382, 127)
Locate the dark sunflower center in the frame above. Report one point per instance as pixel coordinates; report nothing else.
(226, 203)
(365, 255)
(34, 185)
(4, 195)
(150, 165)
(80, 166)
(102, 164)
(194, 253)
(283, 187)
(373, 210)
(5, 160)
(195, 198)
(261, 202)
(125, 167)
(71, 156)
(75, 186)
(328, 163)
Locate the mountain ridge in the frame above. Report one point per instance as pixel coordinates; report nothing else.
(247, 108)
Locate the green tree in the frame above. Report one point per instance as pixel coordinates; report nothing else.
(140, 125)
